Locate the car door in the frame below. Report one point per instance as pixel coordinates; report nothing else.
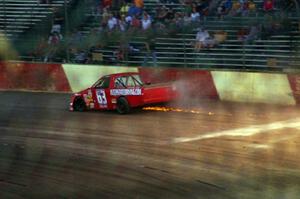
(130, 88)
(100, 93)
(135, 91)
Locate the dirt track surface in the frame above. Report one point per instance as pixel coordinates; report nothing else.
(223, 150)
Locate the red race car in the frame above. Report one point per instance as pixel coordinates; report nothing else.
(121, 92)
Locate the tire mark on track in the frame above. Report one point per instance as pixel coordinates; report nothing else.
(211, 185)
(155, 169)
(12, 183)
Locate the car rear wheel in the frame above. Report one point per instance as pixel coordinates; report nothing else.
(79, 105)
(123, 106)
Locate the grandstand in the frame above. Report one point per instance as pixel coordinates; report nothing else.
(24, 22)
(18, 16)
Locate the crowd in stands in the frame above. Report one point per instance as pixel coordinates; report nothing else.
(123, 18)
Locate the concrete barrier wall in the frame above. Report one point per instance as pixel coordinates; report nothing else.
(254, 87)
(195, 83)
(268, 88)
(294, 81)
(33, 76)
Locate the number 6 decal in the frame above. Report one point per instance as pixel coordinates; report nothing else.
(101, 97)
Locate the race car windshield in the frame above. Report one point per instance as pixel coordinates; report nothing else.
(102, 83)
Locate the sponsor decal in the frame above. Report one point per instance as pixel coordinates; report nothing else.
(132, 91)
(88, 98)
(101, 97)
(92, 105)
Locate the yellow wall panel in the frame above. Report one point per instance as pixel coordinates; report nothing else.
(253, 87)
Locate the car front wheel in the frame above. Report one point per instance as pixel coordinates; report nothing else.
(79, 105)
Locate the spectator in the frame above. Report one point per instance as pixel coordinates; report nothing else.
(178, 20)
(112, 22)
(105, 15)
(128, 20)
(81, 57)
(139, 4)
(170, 15)
(236, 8)
(253, 34)
(224, 8)
(252, 6)
(133, 10)
(203, 40)
(227, 4)
(203, 8)
(53, 43)
(244, 10)
(150, 51)
(135, 23)
(221, 11)
(122, 24)
(54, 38)
(106, 4)
(161, 14)
(195, 16)
(124, 9)
(57, 22)
(242, 7)
(268, 6)
(220, 37)
(146, 21)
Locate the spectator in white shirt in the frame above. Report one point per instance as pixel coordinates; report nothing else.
(203, 40)
(146, 21)
(112, 22)
(122, 24)
(195, 16)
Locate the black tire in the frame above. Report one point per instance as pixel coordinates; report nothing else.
(79, 105)
(123, 106)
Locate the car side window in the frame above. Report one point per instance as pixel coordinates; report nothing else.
(130, 82)
(137, 80)
(120, 82)
(103, 83)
